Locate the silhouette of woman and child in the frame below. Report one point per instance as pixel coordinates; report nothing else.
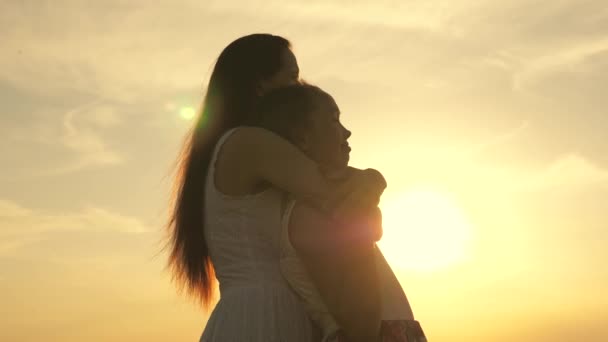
(266, 203)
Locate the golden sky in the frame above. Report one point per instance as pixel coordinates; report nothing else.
(488, 119)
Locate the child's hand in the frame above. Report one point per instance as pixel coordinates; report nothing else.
(369, 185)
(372, 178)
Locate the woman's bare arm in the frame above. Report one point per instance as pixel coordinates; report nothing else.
(340, 261)
(262, 155)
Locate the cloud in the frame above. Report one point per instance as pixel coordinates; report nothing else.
(21, 227)
(10, 209)
(53, 140)
(98, 49)
(451, 70)
(535, 42)
(571, 171)
(570, 58)
(101, 49)
(499, 139)
(566, 173)
(90, 148)
(429, 15)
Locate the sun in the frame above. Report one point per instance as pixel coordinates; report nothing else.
(424, 230)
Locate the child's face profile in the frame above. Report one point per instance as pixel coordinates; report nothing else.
(325, 138)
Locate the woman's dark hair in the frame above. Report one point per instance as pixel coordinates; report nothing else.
(229, 102)
(299, 100)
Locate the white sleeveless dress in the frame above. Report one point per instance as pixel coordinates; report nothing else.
(256, 303)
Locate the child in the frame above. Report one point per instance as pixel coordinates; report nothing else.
(308, 117)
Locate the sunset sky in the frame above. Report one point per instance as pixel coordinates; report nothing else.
(488, 118)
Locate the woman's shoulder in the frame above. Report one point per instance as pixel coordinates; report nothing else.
(241, 140)
(247, 135)
(252, 144)
(244, 140)
(237, 156)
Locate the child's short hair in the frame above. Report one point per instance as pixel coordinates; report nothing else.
(287, 110)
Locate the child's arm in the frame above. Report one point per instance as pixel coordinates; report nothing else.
(262, 155)
(341, 263)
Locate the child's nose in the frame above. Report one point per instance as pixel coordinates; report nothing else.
(347, 133)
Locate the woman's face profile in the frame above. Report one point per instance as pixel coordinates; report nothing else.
(288, 74)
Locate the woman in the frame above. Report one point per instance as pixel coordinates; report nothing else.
(226, 215)
(344, 281)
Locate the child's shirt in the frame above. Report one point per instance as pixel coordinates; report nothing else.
(395, 305)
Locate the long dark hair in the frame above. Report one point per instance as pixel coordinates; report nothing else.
(229, 102)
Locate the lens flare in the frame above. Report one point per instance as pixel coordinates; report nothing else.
(187, 113)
